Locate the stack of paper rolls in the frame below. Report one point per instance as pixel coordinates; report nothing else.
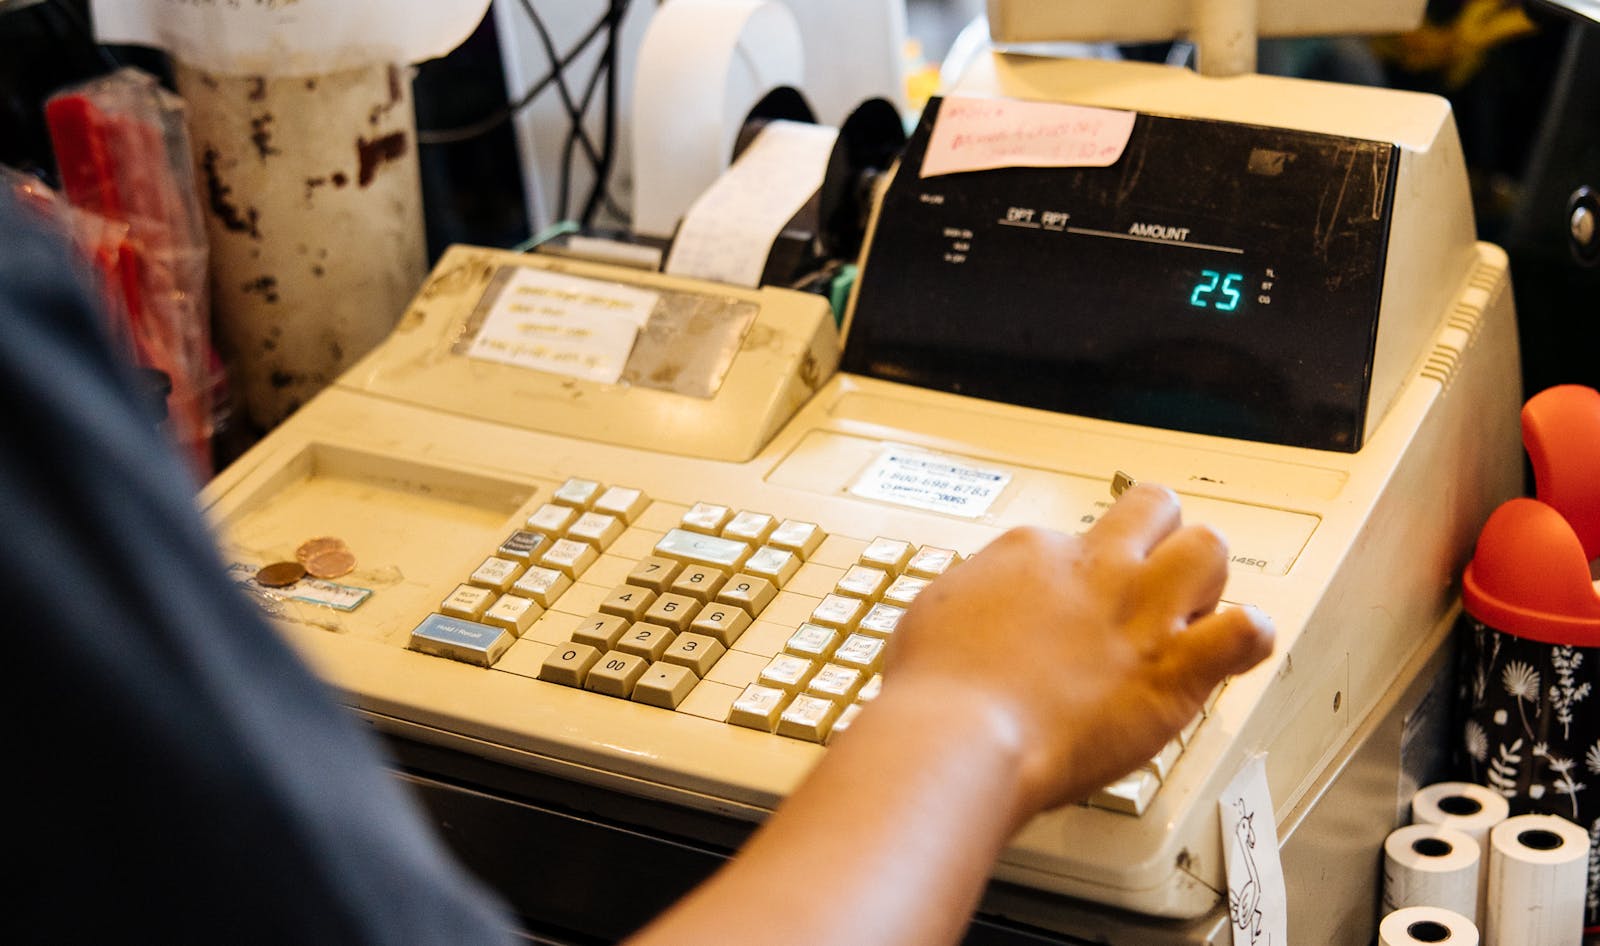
(1473, 810)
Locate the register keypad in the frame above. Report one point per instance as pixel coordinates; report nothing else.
(702, 585)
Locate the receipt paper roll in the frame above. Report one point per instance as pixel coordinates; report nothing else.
(1426, 865)
(1538, 865)
(1465, 806)
(1416, 926)
(729, 230)
(702, 66)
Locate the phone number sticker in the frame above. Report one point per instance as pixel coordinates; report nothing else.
(919, 480)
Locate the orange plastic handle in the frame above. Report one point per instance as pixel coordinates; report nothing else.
(1561, 431)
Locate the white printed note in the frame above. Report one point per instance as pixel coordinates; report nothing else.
(584, 328)
(1258, 902)
(979, 134)
(952, 485)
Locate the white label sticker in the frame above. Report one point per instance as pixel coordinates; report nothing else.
(584, 328)
(951, 485)
(1258, 903)
(310, 590)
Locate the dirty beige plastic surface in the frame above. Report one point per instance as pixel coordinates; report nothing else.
(313, 206)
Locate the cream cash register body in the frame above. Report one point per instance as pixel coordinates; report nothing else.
(1272, 301)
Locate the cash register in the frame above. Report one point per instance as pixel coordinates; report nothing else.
(627, 547)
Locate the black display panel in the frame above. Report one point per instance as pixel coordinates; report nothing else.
(1218, 278)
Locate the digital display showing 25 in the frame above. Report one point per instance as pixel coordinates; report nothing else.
(1217, 290)
(1218, 277)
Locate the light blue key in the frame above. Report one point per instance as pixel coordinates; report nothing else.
(699, 549)
(457, 639)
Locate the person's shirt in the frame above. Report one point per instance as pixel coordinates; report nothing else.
(181, 776)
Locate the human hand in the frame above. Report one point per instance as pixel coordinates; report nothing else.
(1085, 654)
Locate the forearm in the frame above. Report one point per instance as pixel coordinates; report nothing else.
(889, 841)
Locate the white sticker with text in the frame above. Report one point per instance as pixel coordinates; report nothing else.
(951, 485)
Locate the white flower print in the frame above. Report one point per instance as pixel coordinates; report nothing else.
(1564, 783)
(1522, 682)
(1566, 690)
(1503, 769)
(1478, 742)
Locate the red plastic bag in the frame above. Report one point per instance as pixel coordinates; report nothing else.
(121, 143)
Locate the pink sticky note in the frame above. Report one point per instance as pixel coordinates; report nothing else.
(978, 134)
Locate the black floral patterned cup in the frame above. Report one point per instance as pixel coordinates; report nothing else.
(1528, 684)
(1532, 722)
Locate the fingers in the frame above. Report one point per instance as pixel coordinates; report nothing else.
(1185, 574)
(1135, 523)
(1222, 644)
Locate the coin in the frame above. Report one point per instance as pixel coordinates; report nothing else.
(332, 563)
(280, 574)
(311, 548)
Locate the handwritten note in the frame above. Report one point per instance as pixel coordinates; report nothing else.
(980, 134)
(1258, 902)
(584, 328)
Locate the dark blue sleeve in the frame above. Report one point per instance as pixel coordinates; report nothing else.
(182, 777)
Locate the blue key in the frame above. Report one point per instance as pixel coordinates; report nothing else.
(466, 641)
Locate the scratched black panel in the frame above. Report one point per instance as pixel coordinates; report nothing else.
(1218, 278)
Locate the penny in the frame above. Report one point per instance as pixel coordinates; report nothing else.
(311, 548)
(332, 563)
(280, 574)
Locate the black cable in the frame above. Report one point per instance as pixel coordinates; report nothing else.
(441, 136)
(575, 113)
(612, 111)
(600, 191)
(576, 129)
(601, 160)
(602, 174)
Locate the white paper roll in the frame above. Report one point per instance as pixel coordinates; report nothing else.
(1428, 865)
(729, 231)
(1415, 926)
(1537, 868)
(702, 67)
(1469, 808)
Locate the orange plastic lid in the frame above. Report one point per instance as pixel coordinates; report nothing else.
(1530, 574)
